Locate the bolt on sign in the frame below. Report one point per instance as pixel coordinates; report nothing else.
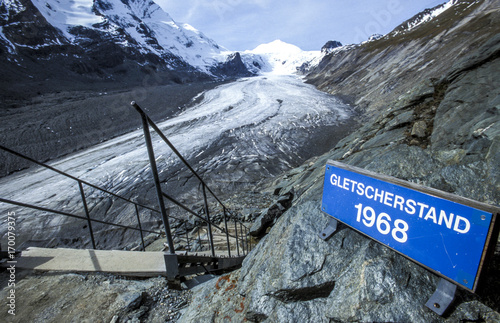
(445, 233)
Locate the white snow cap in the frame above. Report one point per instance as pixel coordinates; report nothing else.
(277, 47)
(282, 58)
(181, 40)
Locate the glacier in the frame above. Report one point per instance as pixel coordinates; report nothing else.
(240, 133)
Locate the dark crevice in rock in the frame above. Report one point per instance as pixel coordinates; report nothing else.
(425, 112)
(304, 294)
(408, 281)
(255, 317)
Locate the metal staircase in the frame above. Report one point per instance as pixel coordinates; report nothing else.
(176, 264)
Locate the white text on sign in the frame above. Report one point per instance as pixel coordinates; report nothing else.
(427, 212)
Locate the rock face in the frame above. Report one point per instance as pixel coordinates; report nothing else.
(232, 67)
(269, 216)
(444, 132)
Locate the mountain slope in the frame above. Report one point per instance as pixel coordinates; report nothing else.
(407, 55)
(137, 24)
(103, 43)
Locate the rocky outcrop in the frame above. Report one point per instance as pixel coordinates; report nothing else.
(94, 298)
(443, 133)
(232, 67)
(331, 44)
(269, 216)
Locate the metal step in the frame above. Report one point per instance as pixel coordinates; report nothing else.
(128, 263)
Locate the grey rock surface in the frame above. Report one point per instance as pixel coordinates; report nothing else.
(93, 298)
(447, 139)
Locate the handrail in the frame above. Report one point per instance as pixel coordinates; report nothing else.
(40, 208)
(72, 177)
(238, 236)
(147, 122)
(165, 139)
(85, 205)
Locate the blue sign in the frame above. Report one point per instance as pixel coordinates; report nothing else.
(447, 237)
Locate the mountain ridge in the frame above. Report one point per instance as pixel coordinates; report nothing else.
(49, 46)
(405, 55)
(101, 44)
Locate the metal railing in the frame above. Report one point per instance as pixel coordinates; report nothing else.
(239, 238)
(85, 205)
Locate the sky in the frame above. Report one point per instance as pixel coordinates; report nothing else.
(240, 25)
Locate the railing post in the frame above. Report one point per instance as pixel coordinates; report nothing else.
(199, 240)
(154, 171)
(237, 242)
(89, 221)
(140, 226)
(242, 239)
(210, 236)
(227, 232)
(187, 237)
(245, 240)
(249, 239)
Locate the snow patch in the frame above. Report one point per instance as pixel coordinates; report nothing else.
(64, 14)
(14, 5)
(431, 15)
(10, 46)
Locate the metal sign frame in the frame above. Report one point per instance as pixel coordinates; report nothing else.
(337, 209)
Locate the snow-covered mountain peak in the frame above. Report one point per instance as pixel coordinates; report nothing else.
(278, 57)
(276, 47)
(96, 35)
(141, 24)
